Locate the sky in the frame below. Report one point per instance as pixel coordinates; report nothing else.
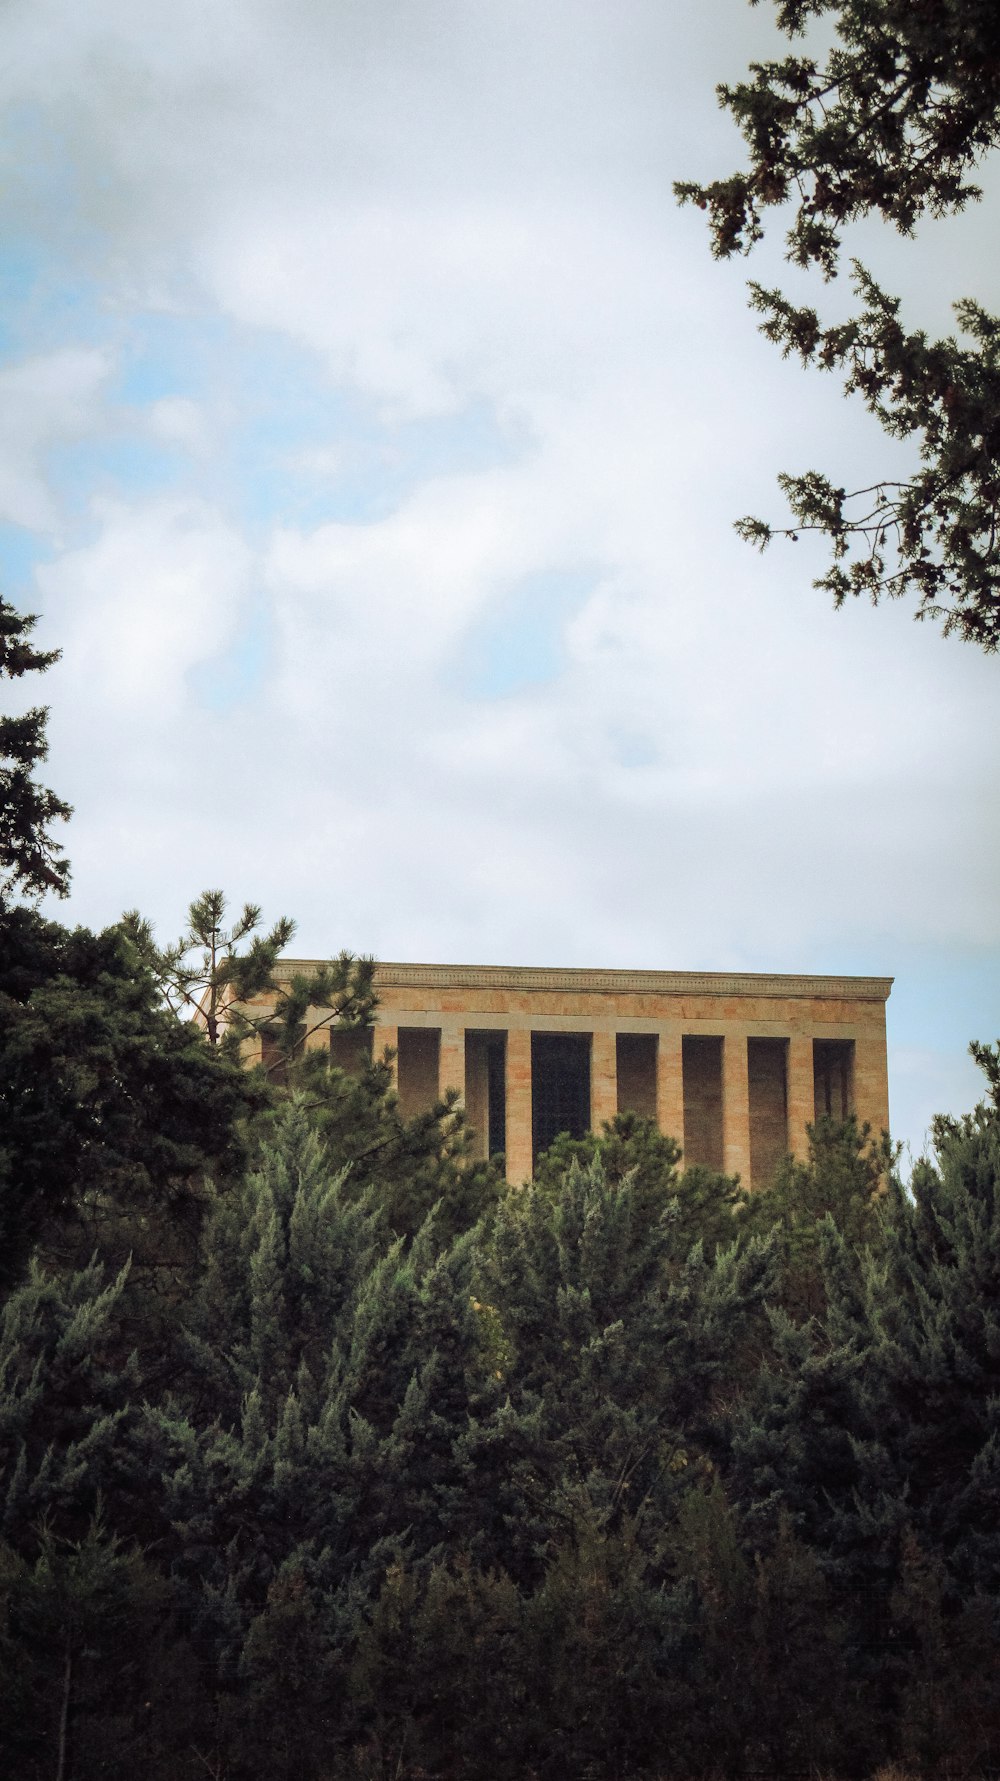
(372, 428)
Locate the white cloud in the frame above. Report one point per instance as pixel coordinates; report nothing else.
(44, 401)
(176, 420)
(450, 206)
(156, 592)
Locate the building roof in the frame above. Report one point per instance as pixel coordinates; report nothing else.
(390, 975)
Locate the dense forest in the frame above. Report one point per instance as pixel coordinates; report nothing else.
(323, 1454)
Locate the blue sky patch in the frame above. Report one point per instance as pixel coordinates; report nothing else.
(238, 675)
(133, 467)
(20, 553)
(519, 643)
(633, 750)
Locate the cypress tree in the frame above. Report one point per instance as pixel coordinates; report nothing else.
(330, 1374)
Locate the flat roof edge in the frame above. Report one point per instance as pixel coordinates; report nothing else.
(389, 975)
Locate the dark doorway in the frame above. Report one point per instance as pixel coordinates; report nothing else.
(274, 1054)
(702, 1067)
(767, 1073)
(351, 1049)
(418, 1054)
(560, 1087)
(637, 1074)
(496, 1091)
(486, 1090)
(833, 1074)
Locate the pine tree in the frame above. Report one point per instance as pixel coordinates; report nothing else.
(205, 975)
(30, 860)
(413, 1165)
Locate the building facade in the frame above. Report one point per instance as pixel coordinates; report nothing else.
(733, 1066)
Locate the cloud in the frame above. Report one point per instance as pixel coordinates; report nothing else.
(156, 592)
(441, 638)
(176, 420)
(44, 401)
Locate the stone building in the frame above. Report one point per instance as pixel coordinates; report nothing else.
(733, 1066)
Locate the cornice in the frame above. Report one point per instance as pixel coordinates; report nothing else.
(528, 978)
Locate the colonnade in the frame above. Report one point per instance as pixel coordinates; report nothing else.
(735, 1066)
(796, 1086)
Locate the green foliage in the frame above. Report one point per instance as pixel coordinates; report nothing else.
(905, 105)
(875, 1432)
(949, 1705)
(218, 978)
(330, 1376)
(935, 1312)
(204, 975)
(613, 1355)
(82, 1650)
(845, 1178)
(766, 1649)
(416, 1165)
(362, 1466)
(109, 1107)
(95, 1675)
(893, 122)
(64, 1390)
(934, 534)
(440, 1672)
(30, 860)
(214, 975)
(699, 1204)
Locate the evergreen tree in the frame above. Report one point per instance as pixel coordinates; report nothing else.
(95, 1675)
(204, 975)
(82, 1661)
(845, 1178)
(767, 1681)
(874, 1433)
(112, 1112)
(699, 1204)
(611, 1355)
(30, 860)
(941, 1657)
(65, 1389)
(935, 1314)
(441, 1674)
(413, 1165)
(332, 1371)
(892, 120)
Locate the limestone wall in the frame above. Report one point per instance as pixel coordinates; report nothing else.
(734, 1066)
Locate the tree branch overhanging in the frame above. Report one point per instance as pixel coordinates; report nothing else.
(895, 123)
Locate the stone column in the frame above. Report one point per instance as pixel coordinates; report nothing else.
(736, 1106)
(381, 1037)
(801, 1094)
(871, 1082)
(451, 1058)
(603, 1079)
(670, 1086)
(520, 1160)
